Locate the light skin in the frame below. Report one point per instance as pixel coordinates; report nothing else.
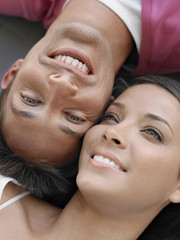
(52, 103)
(140, 133)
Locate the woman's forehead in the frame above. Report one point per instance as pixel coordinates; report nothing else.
(149, 97)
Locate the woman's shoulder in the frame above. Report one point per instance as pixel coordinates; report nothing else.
(6, 192)
(27, 215)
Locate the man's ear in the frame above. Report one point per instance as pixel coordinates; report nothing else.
(175, 196)
(10, 75)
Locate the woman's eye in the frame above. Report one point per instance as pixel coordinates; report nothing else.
(154, 133)
(109, 117)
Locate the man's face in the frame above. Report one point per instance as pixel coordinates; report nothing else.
(58, 93)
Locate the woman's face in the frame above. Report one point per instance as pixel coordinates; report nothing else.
(133, 156)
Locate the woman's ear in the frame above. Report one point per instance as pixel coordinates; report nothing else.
(175, 196)
(10, 75)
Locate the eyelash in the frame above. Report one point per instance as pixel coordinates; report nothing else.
(155, 133)
(148, 130)
(32, 102)
(109, 117)
(74, 118)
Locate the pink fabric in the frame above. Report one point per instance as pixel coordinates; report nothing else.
(34, 10)
(160, 46)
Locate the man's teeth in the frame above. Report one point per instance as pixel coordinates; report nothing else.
(106, 161)
(74, 62)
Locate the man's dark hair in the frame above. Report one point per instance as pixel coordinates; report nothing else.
(53, 184)
(42, 180)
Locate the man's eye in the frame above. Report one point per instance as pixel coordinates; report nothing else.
(74, 118)
(153, 133)
(29, 100)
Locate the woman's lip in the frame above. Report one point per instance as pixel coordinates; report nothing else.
(111, 157)
(74, 53)
(102, 165)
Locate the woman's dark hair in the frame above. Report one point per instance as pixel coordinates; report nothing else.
(166, 225)
(169, 84)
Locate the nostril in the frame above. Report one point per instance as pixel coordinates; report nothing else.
(56, 76)
(104, 137)
(116, 141)
(73, 84)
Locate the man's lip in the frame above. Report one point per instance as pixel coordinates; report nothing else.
(110, 156)
(74, 53)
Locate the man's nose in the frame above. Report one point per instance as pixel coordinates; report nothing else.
(115, 136)
(63, 84)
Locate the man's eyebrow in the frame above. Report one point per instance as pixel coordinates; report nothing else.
(63, 128)
(70, 131)
(119, 105)
(22, 113)
(155, 117)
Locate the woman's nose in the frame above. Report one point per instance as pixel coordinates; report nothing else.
(115, 137)
(64, 84)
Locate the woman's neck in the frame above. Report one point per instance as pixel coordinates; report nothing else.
(80, 221)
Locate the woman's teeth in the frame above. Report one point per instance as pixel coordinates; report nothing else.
(106, 161)
(74, 62)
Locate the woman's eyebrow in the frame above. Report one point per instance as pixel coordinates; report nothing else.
(158, 118)
(119, 105)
